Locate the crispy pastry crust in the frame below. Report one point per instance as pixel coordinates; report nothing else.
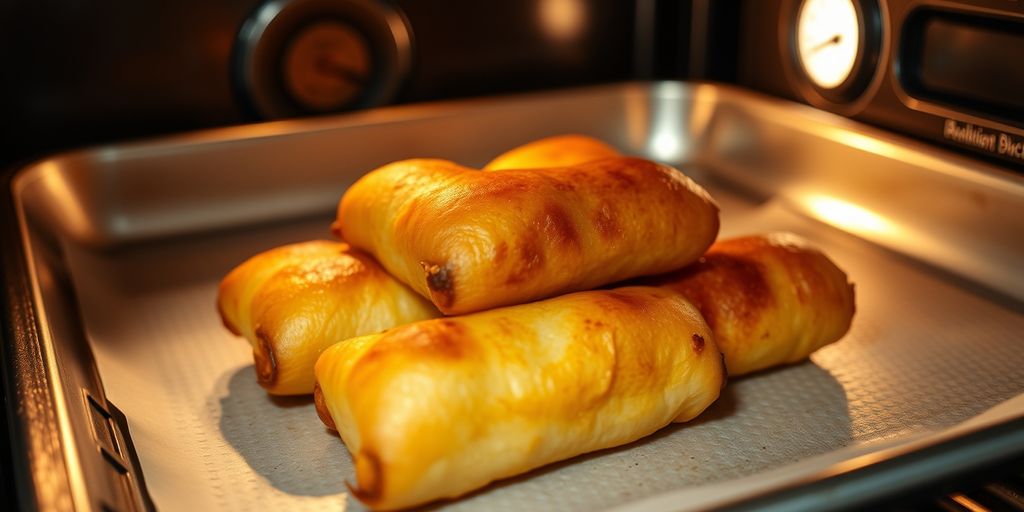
(770, 299)
(438, 408)
(294, 301)
(472, 240)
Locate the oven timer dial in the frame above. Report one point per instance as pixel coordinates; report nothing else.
(836, 46)
(300, 57)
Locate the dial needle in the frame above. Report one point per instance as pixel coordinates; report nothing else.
(831, 41)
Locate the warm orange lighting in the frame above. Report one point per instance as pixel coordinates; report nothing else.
(968, 503)
(562, 19)
(848, 216)
(866, 143)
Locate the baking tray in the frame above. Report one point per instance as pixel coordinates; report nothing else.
(122, 248)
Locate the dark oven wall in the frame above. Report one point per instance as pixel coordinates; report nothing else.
(84, 72)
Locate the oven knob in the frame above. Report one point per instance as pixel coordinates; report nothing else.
(326, 66)
(301, 57)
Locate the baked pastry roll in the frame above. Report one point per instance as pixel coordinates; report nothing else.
(770, 299)
(294, 301)
(555, 151)
(473, 240)
(280, 362)
(438, 408)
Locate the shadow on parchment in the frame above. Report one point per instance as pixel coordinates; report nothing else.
(753, 426)
(759, 422)
(282, 439)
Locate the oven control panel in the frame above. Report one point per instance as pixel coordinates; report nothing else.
(947, 71)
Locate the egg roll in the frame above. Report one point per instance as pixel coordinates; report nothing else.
(294, 301)
(555, 151)
(472, 240)
(438, 408)
(770, 299)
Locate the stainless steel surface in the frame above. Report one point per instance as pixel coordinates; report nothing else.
(140, 235)
(943, 209)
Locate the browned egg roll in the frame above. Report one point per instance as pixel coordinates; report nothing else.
(294, 301)
(438, 408)
(281, 363)
(769, 299)
(555, 151)
(473, 240)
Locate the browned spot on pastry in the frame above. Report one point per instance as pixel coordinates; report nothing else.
(644, 362)
(579, 175)
(622, 179)
(321, 407)
(564, 185)
(725, 288)
(447, 340)
(620, 300)
(503, 185)
(697, 342)
(443, 338)
(441, 283)
(451, 325)
(500, 253)
(529, 259)
(605, 223)
(266, 362)
(623, 171)
(557, 226)
(369, 478)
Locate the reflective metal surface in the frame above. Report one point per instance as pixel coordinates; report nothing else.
(941, 208)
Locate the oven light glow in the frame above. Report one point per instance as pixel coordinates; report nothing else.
(665, 146)
(828, 40)
(562, 20)
(848, 215)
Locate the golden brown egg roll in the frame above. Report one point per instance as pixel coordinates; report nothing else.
(438, 408)
(731, 286)
(294, 301)
(555, 151)
(300, 353)
(473, 240)
(769, 299)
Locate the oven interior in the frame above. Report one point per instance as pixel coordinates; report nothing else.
(149, 149)
(127, 243)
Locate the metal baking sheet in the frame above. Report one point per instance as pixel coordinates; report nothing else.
(144, 232)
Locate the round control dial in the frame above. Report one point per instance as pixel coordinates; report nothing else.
(828, 40)
(836, 45)
(299, 57)
(326, 66)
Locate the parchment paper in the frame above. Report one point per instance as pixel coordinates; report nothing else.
(923, 355)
